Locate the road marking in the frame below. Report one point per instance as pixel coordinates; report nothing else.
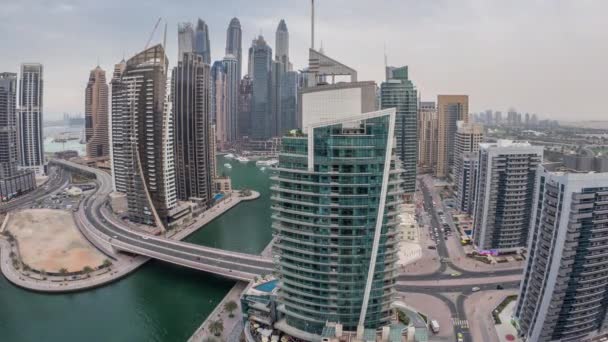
(463, 323)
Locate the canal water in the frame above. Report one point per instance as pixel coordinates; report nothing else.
(159, 301)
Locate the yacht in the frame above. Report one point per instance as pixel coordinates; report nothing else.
(242, 159)
(229, 156)
(228, 166)
(270, 162)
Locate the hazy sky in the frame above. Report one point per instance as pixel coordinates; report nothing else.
(543, 56)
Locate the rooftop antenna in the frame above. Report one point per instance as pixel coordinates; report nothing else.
(165, 36)
(312, 24)
(152, 33)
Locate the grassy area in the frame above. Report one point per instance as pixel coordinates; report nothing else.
(403, 317)
(426, 320)
(501, 307)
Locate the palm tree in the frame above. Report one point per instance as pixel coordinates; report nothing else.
(216, 327)
(230, 306)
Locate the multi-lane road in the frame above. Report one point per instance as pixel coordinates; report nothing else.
(58, 179)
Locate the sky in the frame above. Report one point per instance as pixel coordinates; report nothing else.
(540, 56)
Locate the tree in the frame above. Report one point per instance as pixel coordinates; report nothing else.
(107, 263)
(230, 306)
(216, 327)
(87, 270)
(63, 270)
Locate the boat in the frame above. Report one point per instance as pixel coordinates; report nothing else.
(262, 168)
(269, 162)
(228, 166)
(229, 156)
(242, 159)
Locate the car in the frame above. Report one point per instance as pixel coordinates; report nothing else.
(144, 237)
(475, 289)
(456, 274)
(432, 247)
(499, 287)
(445, 237)
(460, 337)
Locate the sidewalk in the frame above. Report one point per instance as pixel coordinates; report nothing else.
(478, 308)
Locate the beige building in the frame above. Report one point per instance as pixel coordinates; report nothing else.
(96, 115)
(450, 110)
(427, 136)
(467, 139)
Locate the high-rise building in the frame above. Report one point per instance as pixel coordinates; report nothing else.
(337, 234)
(465, 181)
(467, 139)
(29, 120)
(504, 194)
(450, 109)
(234, 44)
(230, 65)
(185, 39)
(144, 112)
(8, 125)
(563, 293)
(96, 115)
(245, 99)
(191, 94)
(219, 102)
(399, 92)
(282, 45)
(119, 139)
(427, 136)
(261, 115)
(288, 109)
(201, 41)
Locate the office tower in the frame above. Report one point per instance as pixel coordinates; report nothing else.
(282, 45)
(399, 92)
(563, 293)
(185, 39)
(450, 109)
(498, 118)
(230, 65)
(201, 41)
(191, 97)
(287, 116)
(465, 181)
(527, 120)
(346, 273)
(29, 120)
(427, 136)
(234, 44)
(534, 120)
(118, 137)
(489, 117)
(245, 98)
(467, 139)
(219, 102)
(335, 101)
(147, 143)
(261, 116)
(96, 115)
(504, 194)
(8, 125)
(212, 153)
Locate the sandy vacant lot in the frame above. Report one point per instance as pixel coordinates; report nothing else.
(49, 240)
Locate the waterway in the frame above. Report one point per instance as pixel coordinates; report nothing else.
(160, 301)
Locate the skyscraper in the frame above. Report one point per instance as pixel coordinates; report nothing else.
(563, 292)
(230, 65)
(427, 136)
(261, 116)
(219, 102)
(284, 86)
(119, 139)
(96, 115)
(147, 145)
(282, 45)
(201, 41)
(191, 94)
(450, 109)
(234, 44)
(465, 182)
(467, 139)
(504, 194)
(29, 120)
(337, 234)
(399, 92)
(185, 39)
(8, 124)
(245, 99)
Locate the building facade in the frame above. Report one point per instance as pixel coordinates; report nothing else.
(219, 103)
(335, 197)
(465, 182)
(30, 141)
(191, 97)
(119, 139)
(399, 92)
(467, 139)
(234, 43)
(230, 64)
(8, 124)
(185, 39)
(147, 146)
(282, 45)
(96, 115)
(427, 136)
(245, 102)
(504, 194)
(563, 293)
(202, 46)
(450, 110)
(261, 114)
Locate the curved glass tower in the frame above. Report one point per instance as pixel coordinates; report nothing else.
(335, 199)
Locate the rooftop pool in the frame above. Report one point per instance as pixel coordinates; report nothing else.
(267, 286)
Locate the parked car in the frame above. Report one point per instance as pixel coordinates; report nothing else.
(475, 289)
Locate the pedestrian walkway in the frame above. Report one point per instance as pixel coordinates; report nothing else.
(463, 323)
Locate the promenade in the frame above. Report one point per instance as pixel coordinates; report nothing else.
(122, 264)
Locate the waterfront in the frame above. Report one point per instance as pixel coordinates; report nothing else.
(159, 302)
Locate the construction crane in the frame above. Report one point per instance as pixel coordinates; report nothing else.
(153, 31)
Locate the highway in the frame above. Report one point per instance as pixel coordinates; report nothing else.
(58, 179)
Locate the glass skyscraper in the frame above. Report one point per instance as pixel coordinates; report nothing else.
(335, 199)
(261, 116)
(399, 92)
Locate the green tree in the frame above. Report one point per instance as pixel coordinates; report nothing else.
(107, 263)
(216, 327)
(87, 270)
(230, 306)
(63, 270)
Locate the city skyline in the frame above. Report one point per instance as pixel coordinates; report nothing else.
(487, 69)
